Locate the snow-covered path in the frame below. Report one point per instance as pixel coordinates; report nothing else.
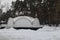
(40, 34)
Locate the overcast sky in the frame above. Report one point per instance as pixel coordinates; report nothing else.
(5, 4)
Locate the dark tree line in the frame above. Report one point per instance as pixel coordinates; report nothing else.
(34, 8)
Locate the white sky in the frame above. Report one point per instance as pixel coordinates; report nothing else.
(5, 4)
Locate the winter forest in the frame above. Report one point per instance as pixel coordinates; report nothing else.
(29, 19)
(45, 10)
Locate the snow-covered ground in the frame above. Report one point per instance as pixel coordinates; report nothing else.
(46, 33)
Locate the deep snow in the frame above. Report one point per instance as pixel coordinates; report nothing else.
(46, 33)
